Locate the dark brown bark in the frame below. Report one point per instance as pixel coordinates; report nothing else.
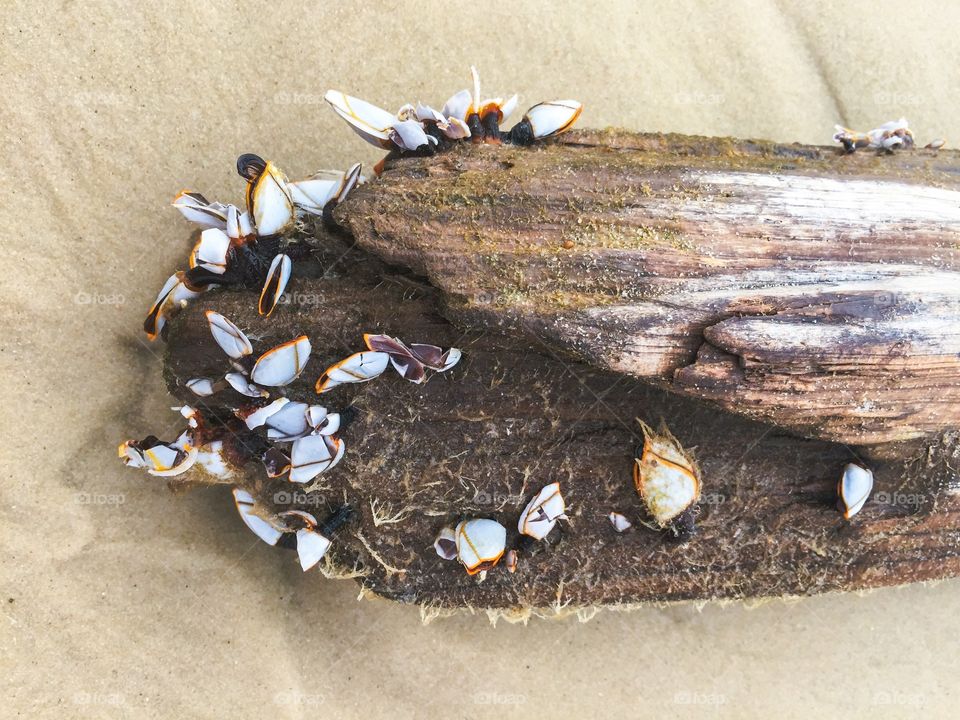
(812, 290)
(516, 414)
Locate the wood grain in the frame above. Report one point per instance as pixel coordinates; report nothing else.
(795, 285)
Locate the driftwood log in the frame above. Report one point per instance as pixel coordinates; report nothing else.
(784, 309)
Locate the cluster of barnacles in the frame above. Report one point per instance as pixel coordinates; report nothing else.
(422, 130)
(255, 248)
(890, 136)
(262, 427)
(665, 476)
(480, 543)
(251, 247)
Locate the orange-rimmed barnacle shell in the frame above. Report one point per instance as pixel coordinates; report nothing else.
(480, 544)
(274, 286)
(268, 200)
(549, 119)
(175, 294)
(283, 364)
(667, 478)
(359, 367)
(542, 513)
(312, 455)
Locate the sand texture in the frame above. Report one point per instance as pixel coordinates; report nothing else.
(120, 599)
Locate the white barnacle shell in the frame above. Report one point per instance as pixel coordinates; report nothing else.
(313, 455)
(410, 135)
(162, 460)
(619, 522)
(170, 461)
(311, 545)
(321, 422)
(197, 209)
(453, 127)
(480, 544)
(446, 544)
(192, 417)
(275, 284)
(407, 112)
(549, 119)
(202, 386)
(210, 252)
(283, 364)
(854, 488)
(312, 194)
(228, 336)
(351, 178)
(542, 512)
(260, 527)
(370, 122)
(241, 383)
(458, 106)
(259, 416)
(269, 203)
(174, 294)
(289, 424)
(665, 476)
(359, 367)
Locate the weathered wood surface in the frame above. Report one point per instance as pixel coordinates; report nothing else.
(515, 415)
(815, 291)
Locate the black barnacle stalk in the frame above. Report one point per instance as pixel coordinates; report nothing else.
(684, 526)
(521, 134)
(337, 519)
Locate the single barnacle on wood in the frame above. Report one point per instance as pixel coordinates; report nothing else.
(411, 362)
(541, 514)
(668, 480)
(853, 489)
(311, 538)
(480, 544)
(620, 522)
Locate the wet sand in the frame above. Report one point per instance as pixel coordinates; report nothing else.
(120, 599)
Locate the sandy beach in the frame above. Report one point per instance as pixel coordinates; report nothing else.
(121, 599)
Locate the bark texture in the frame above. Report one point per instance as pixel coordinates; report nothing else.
(815, 291)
